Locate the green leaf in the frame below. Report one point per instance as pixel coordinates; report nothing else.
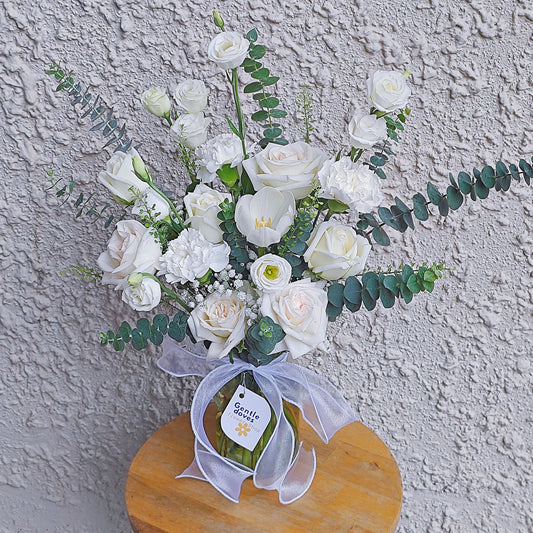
(370, 282)
(407, 295)
(271, 80)
(380, 236)
(272, 133)
(137, 340)
(333, 312)
(156, 337)
(335, 294)
(398, 216)
(506, 183)
(528, 170)
(444, 208)
(368, 301)
(250, 65)
(257, 51)
(125, 331)
(253, 87)
(455, 198)
(391, 283)
(161, 323)
(487, 177)
(352, 290)
(143, 325)
(413, 285)
(228, 175)
(118, 345)
(401, 206)
(269, 102)
(176, 331)
(337, 207)
(377, 161)
(252, 35)
(428, 285)
(232, 127)
(408, 219)
(433, 194)
(501, 169)
(278, 113)
(387, 217)
(407, 272)
(259, 116)
(387, 298)
(261, 74)
(481, 191)
(465, 183)
(513, 169)
(419, 207)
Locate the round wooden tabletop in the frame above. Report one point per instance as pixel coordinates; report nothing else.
(357, 487)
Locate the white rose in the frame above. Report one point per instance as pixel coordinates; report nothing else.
(132, 248)
(228, 49)
(335, 251)
(388, 91)
(144, 296)
(290, 168)
(221, 320)
(366, 130)
(153, 203)
(191, 95)
(224, 149)
(190, 256)
(191, 129)
(156, 101)
(265, 216)
(353, 184)
(119, 176)
(270, 272)
(202, 209)
(300, 310)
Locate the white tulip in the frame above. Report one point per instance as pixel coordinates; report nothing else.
(119, 176)
(264, 217)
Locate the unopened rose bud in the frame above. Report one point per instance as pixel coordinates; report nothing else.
(406, 74)
(219, 21)
(135, 279)
(140, 168)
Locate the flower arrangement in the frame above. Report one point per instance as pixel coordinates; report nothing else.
(271, 239)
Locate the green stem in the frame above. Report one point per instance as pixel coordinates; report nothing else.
(167, 118)
(169, 202)
(172, 294)
(242, 126)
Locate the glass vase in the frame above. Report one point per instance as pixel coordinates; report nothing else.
(230, 449)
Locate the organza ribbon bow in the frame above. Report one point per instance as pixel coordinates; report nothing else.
(321, 405)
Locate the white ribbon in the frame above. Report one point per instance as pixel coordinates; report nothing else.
(321, 405)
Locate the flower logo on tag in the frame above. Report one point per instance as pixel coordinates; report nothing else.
(242, 429)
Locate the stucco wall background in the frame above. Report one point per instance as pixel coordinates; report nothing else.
(445, 381)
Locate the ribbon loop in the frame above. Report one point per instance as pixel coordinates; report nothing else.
(321, 404)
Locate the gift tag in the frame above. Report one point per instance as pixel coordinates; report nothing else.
(245, 418)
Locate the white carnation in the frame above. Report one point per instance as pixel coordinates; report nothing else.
(190, 256)
(224, 149)
(353, 184)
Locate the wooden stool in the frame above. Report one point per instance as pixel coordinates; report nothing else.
(357, 487)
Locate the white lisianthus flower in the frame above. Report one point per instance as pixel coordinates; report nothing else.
(290, 168)
(228, 49)
(221, 320)
(300, 310)
(132, 248)
(366, 130)
(119, 176)
(143, 296)
(156, 101)
(202, 209)
(152, 202)
(353, 184)
(224, 149)
(190, 256)
(191, 129)
(335, 251)
(388, 91)
(270, 272)
(191, 95)
(265, 216)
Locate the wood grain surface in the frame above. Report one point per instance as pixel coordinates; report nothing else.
(357, 487)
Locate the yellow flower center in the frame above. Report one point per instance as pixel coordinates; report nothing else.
(271, 272)
(263, 223)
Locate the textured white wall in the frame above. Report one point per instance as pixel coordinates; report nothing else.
(445, 381)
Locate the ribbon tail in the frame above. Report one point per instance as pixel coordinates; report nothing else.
(299, 477)
(192, 471)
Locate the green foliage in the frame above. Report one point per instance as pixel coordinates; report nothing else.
(236, 241)
(162, 231)
(386, 287)
(304, 102)
(145, 332)
(94, 107)
(295, 239)
(400, 217)
(269, 113)
(85, 272)
(83, 204)
(260, 341)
